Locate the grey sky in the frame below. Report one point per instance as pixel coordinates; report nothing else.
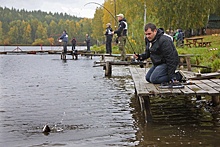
(72, 7)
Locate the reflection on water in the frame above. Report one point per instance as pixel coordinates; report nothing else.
(177, 121)
(83, 108)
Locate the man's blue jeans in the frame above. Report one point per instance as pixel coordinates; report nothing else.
(158, 74)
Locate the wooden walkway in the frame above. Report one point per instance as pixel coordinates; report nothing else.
(197, 86)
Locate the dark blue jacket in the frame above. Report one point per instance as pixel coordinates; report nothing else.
(64, 37)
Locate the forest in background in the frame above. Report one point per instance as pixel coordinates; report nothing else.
(37, 27)
(21, 27)
(168, 14)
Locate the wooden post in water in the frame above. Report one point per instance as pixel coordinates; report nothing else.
(188, 62)
(147, 109)
(63, 56)
(103, 58)
(108, 69)
(215, 100)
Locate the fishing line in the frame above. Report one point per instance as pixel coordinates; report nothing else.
(114, 19)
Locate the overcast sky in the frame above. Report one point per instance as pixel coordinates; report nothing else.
(72, 7)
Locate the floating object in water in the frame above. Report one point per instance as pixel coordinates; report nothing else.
(46, 129)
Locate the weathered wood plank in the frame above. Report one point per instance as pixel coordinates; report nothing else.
(195, 86)
(152, 89)
(187, 91)
(207, 88)
(143, 87)
(212, 84)
(167, 91)
(216, 81)
(197, 89)
(205, 76)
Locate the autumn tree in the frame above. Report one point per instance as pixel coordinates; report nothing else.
(97, 25)
(26, 33)
(1, 37)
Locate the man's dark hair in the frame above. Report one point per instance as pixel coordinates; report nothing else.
(151, 26)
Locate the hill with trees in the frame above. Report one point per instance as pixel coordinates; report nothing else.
(21, 27)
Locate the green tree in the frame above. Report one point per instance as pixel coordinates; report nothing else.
(27, 33)
(12, 35)
(184, 14)
(97, 23)
(34, 24)
(1, 33)
(41, 32)
(52, 29)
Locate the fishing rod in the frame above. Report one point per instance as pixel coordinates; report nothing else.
(114, 19)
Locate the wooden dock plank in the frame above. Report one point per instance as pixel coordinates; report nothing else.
(197, 89)
(187, 91)
(212, 84)
(206, 76)
(216, 81)
(143, 87)
(207, 88)
(168, 91)
(193, 87)
(152, 89)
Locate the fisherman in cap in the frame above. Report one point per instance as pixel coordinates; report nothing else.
(109, 35)
(121, 33)
(64, 39)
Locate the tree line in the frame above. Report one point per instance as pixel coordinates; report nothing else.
(21, 27)
(168, 14)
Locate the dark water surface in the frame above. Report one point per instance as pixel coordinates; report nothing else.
(84, 108)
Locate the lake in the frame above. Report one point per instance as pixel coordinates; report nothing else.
(84, 108)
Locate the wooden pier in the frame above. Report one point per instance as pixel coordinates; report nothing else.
(198, 85)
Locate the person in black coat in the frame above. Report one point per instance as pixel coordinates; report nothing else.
(109, 36)
(73, 41)
(163, 54)
(87, 40)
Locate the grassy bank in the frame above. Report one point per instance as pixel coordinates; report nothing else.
(204, 56)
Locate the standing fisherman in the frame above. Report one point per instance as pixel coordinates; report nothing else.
(64, 38)
(109, 36)
(121, 33)
(87, 40)
(73, 41)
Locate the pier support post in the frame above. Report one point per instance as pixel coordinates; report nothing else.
(63, 56)
(103, 58)
(215, 100)
(198, 97)
(147, 109)
(108, 69)
(188, 63)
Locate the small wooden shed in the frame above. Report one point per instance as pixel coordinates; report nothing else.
(213, 26)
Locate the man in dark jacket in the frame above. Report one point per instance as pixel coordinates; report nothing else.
(109, 36)
(121, 33)
(73, 41)
(163, 54)
(64, 38)
(87, 40)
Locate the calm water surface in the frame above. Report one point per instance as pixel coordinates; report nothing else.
(83, 108)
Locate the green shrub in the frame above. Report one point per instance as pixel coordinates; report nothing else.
(216, 65)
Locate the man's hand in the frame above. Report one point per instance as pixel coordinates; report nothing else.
(136, 56)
